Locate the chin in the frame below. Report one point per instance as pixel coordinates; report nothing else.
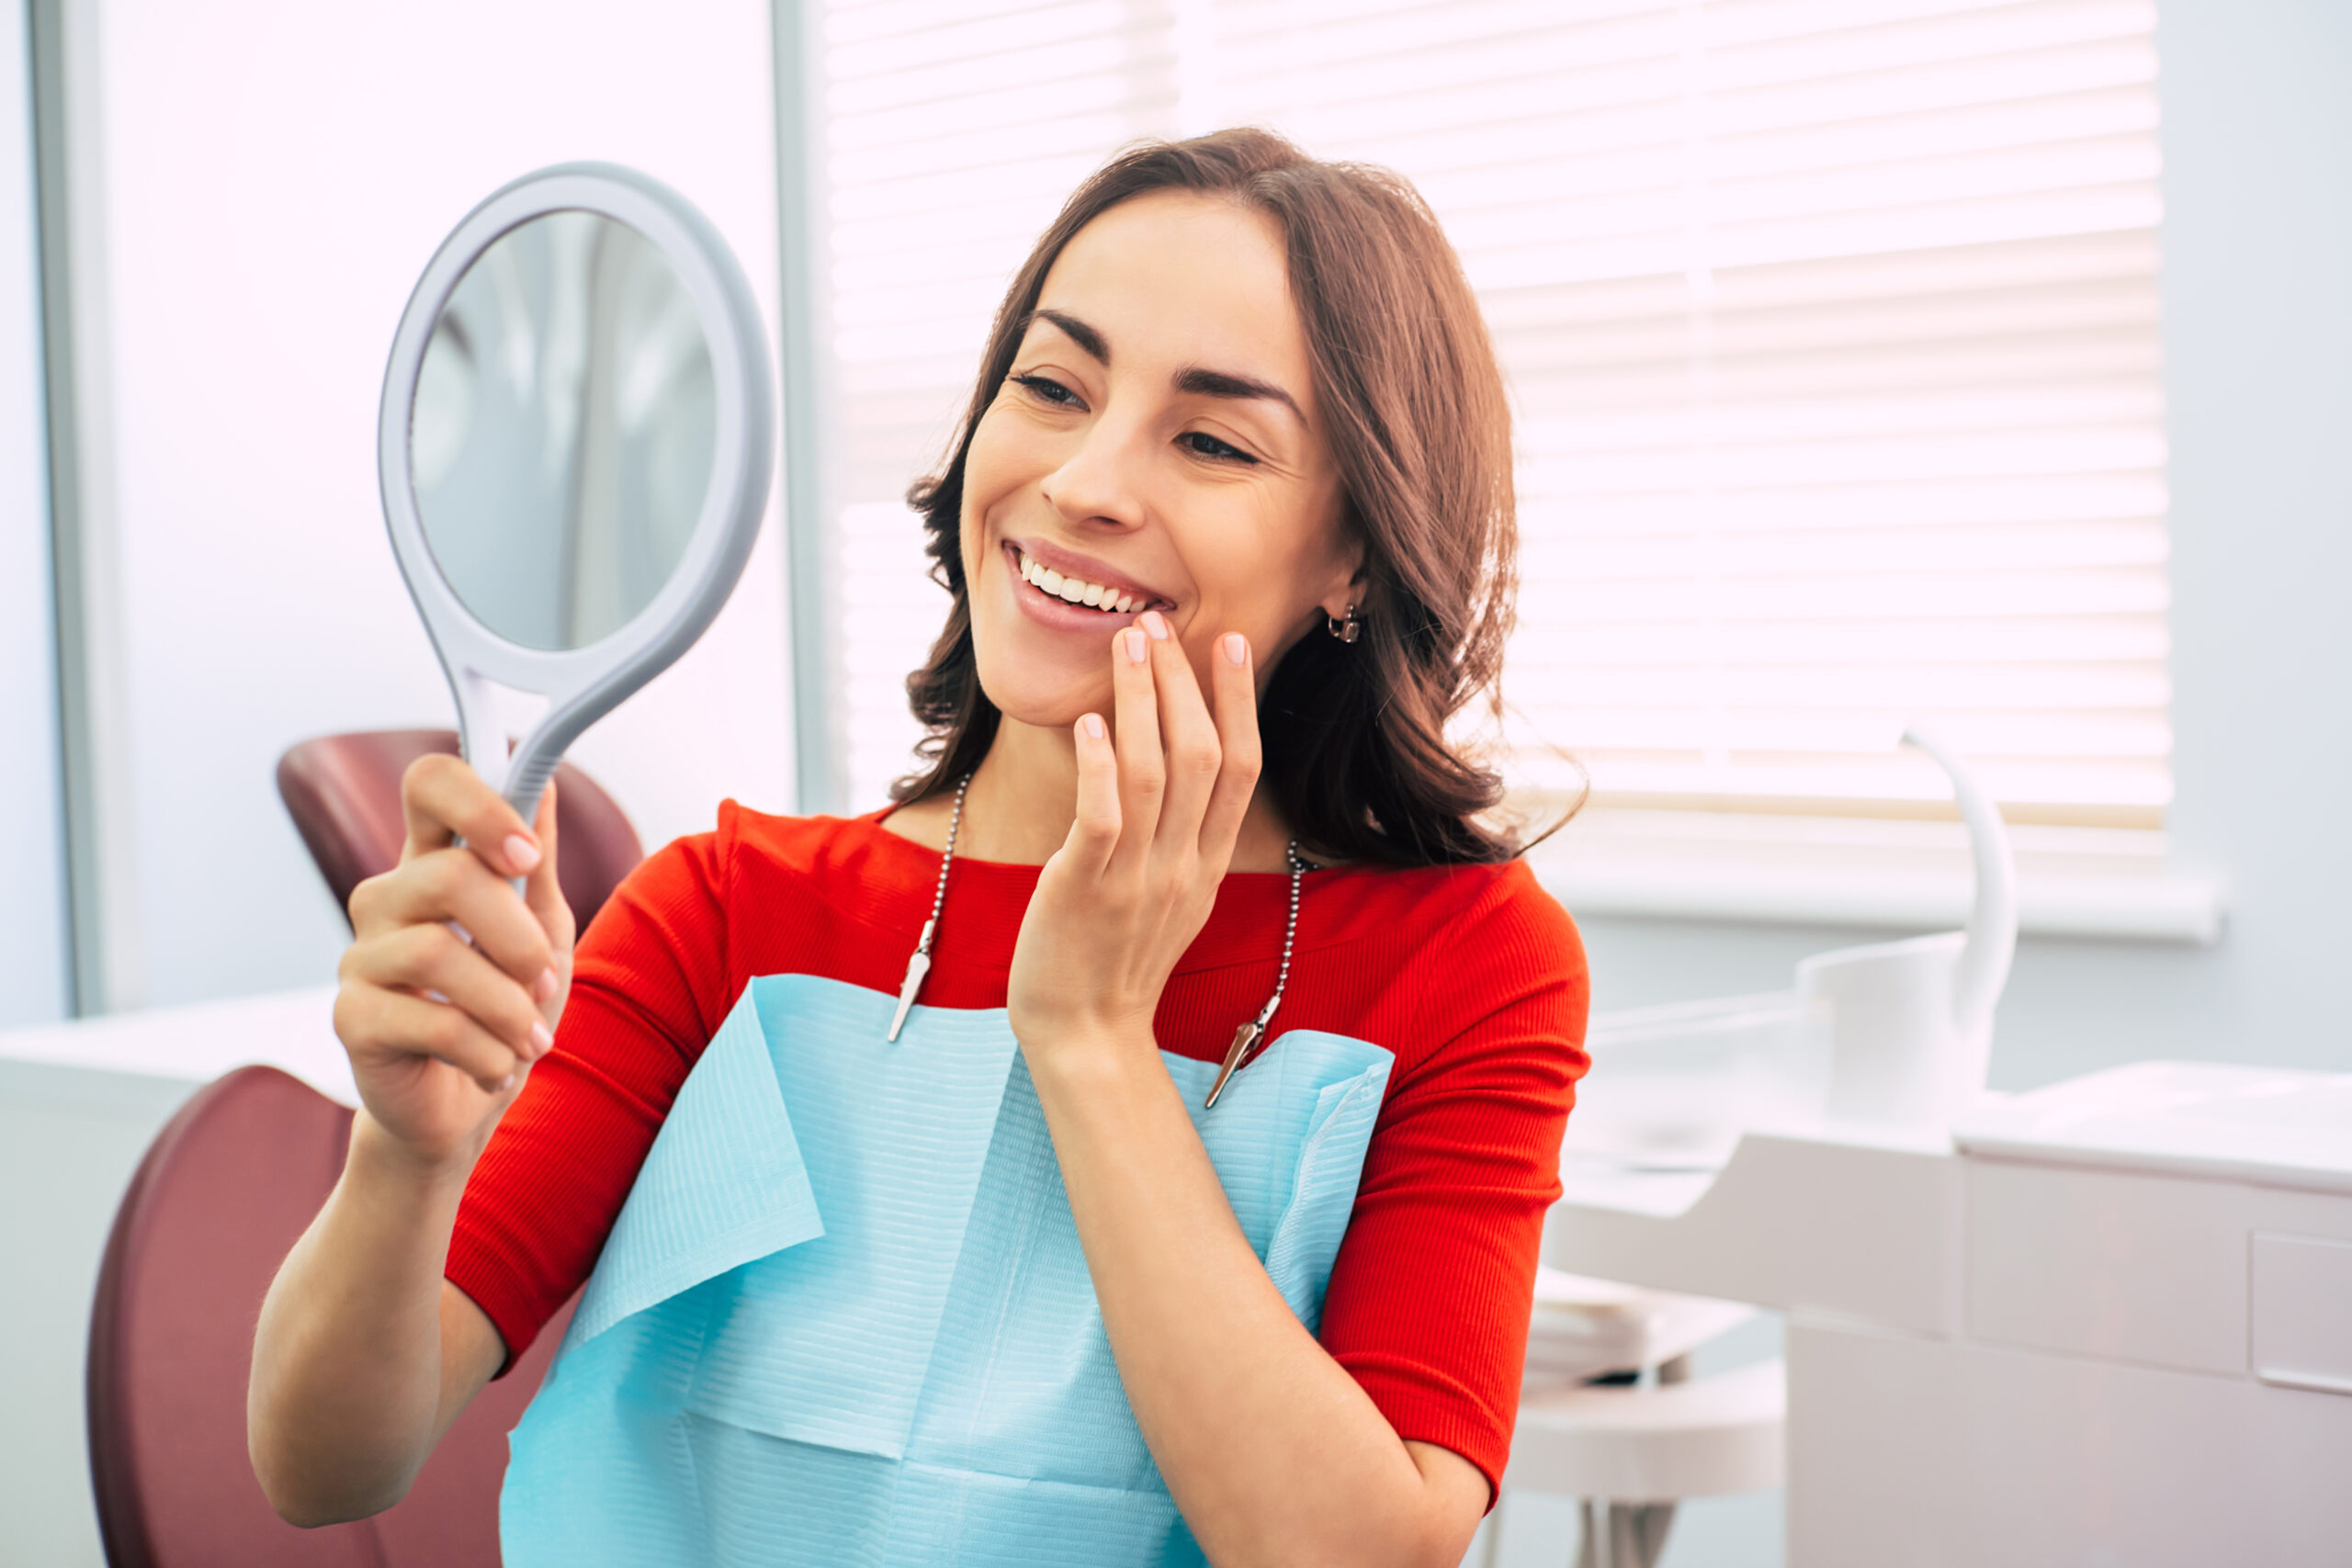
(1044, 697)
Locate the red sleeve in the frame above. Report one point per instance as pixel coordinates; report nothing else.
(1430, 1295)
(649, 989)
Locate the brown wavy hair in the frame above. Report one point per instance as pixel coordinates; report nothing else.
(1356, 738)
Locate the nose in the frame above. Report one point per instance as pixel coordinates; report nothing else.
(1100, 484)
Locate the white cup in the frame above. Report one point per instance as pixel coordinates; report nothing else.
(1911, 1023)
(1900, 1052)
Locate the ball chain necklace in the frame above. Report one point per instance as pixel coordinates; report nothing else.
(1245, 1039)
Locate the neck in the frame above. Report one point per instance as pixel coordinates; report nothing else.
(1024, 796)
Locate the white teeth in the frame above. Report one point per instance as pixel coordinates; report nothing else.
(1076, 591)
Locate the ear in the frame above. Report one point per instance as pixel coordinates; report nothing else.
(1347, 585)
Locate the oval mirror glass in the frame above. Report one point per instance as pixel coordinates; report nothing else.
(573, 450)
(564, 431)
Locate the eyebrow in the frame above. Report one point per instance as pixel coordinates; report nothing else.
(1078, 331)
(1196, 380)
(1223, 384)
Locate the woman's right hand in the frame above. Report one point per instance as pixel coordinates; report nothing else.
(441, 1030)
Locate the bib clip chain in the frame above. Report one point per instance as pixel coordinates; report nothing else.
(1246, 1039)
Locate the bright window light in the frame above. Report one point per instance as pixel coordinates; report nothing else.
(1831, 324)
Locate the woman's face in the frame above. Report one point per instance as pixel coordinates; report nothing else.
(1157, 444)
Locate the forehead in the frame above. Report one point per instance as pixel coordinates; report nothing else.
(1177, 279)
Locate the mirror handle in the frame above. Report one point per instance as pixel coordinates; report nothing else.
(530, 780)
(481, 738)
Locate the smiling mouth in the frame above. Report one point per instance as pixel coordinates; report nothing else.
(1076, 591)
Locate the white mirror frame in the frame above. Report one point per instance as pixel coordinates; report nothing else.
(582, 685)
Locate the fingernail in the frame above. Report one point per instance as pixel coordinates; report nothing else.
(506, 1083)
(540, 1039)
(521, 854)
(1237, 648)
(543, 989)
(1092, 725)
(1157, 625)
(1133, 641)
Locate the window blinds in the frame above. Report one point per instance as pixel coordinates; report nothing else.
(1832, 327)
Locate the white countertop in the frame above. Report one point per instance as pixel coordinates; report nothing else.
(289, 1030)
(2272, 1126)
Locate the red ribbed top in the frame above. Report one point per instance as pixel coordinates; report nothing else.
(1472, 976)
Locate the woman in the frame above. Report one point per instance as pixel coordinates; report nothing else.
(888, 1275)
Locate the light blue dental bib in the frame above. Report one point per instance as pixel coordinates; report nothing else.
(861, 1334)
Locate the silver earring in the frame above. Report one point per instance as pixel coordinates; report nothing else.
(1344, 630)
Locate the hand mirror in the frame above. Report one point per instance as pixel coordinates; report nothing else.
(574, 449)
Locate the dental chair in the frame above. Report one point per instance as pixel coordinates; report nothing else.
(224, 1191)
(344, 793)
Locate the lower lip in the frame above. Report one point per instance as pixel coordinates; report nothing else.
(1057, 614)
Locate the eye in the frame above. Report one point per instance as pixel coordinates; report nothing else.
(1201, 444)
(1046, 390)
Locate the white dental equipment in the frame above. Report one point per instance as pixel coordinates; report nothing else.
(1894, 1033)
(2107, 1320)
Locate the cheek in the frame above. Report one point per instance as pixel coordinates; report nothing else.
(1029, 675)
(989, 472)
(1000, 461)
(1260, 570)
(999, 467)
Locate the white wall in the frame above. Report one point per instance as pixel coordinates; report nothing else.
(275, 177)
(32, 913)
(2256, 100)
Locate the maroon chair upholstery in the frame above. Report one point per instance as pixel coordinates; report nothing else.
(226, 1188)
(343, 792)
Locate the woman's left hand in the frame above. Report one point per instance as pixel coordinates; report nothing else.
(1229, 1387)
(1161, 802)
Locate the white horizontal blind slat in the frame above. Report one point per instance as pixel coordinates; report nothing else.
(1831, 325)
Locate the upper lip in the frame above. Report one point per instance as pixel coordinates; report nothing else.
(1087, 568)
